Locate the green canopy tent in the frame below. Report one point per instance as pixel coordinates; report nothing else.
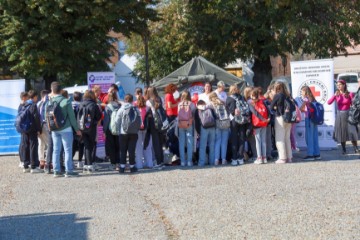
(198, 70)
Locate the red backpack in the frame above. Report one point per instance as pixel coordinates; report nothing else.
(263, 111)
(185, 117)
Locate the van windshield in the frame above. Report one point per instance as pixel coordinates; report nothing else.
(349, 79)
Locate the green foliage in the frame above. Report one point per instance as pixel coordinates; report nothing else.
(63, 37)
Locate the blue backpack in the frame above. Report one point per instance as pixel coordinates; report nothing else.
(24, 120)
(317, 113)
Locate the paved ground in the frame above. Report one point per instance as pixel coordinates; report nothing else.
(303, 200)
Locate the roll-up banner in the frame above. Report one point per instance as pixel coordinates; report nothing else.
(9, 102)
(104, 80)
(319, 76)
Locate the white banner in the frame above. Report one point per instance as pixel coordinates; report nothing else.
(104, 80)
(319, 76)
(9, 102)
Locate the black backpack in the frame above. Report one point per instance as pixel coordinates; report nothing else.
(244, 117)
(160, 119)
(207, 118)
(85, 118)
(289, 115)
(54, 116)
(24, 120)
(354, 112)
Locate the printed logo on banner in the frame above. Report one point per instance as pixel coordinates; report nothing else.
(318, 89)
(196, 88)
(91, 78)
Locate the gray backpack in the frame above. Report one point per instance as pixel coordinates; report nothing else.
(131, 120)
(114, 129)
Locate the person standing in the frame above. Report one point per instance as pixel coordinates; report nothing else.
(31, 144)
(205, 95)
(23, 98)
(127, 118)
(78, 144)
(89, 115)
(171, 101)
(220, 91)
(43, 138)
(282, 128)
(343, 131)
(63, 135)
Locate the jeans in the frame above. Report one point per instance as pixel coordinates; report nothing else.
(141, 153)
(186, 137)
(207, 137)
(260, 138)
(221, 142)
(312, 138)
(65, 137)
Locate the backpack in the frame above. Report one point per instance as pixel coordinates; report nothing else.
(131, 120)
(185, 117)
(316, 113)
(243, 106)
(24, 120)
(207, 118)
(54, 116)
(289, 115)
(354, 112)
(260, 107)
(160, 119)
(222, 117)
(114, 129)
(85, 118)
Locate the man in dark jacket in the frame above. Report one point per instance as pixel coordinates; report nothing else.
(30, 140)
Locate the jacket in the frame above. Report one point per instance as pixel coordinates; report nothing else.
(36, 125)
(120, 113)
(93, 109)
(107, 114)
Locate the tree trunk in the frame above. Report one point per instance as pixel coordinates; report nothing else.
(262, 73)
(48, 80)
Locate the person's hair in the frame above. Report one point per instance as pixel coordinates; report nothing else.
(233, 89)
(201, 102)
(247, 92)
(128, 98)
(208, 83)
(213, 97)
(114, 86)
(112, 96)
(308, 93)
(185, 96)
(56, 87)
(220, 84)
(281, 88)
(32, 93)
(153, 96)
(96, 88)
(269, 88)
(65, 93)
(77, 96)
(346, 92)
(43, 93)
(170, 88)
(255, 93)
(24, 95)
(260, 90)
(89, 95)
(140, 98)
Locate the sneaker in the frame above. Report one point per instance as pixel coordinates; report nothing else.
(264, 159)
(112, 167)
(21, 165)
(58, 174)
(158, 167)
(223, 162)
(47, 170)
(280, 161)
(117, 167)
(190, 164)
(317, 157)
(183, 164)
(309, 158)
(133, 169)
(95, 167)
(36, 170)
(122, 170)
(241, 161)
(26, 170)
(216, 162)
(80, 165)
(234, 162)
(42, 164)
(258, 161)
(71, 174)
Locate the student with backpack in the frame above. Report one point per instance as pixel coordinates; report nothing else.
(283, 116)
(78, 144)
(240, 118)
(343, 131)
(186, 110)
(222, 127)
(23, 98)
(43, 138)
(311, 129)
(143, 156)
(205, 119)
(112, 130)
(129, 120)
(156, 124)
(88, 117)
(28, 122)
(260, 119)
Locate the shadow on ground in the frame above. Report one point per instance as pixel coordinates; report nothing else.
(56, 225)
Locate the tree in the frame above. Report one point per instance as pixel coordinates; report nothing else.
(64, 38)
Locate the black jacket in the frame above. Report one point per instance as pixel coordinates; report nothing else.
(36, 126)
(93, 109)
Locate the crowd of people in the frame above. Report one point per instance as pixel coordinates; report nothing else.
(217, 128)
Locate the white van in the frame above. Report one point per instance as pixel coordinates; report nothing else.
(351, 79)
(76, 88)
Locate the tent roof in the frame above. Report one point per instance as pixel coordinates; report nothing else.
(197, 70)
